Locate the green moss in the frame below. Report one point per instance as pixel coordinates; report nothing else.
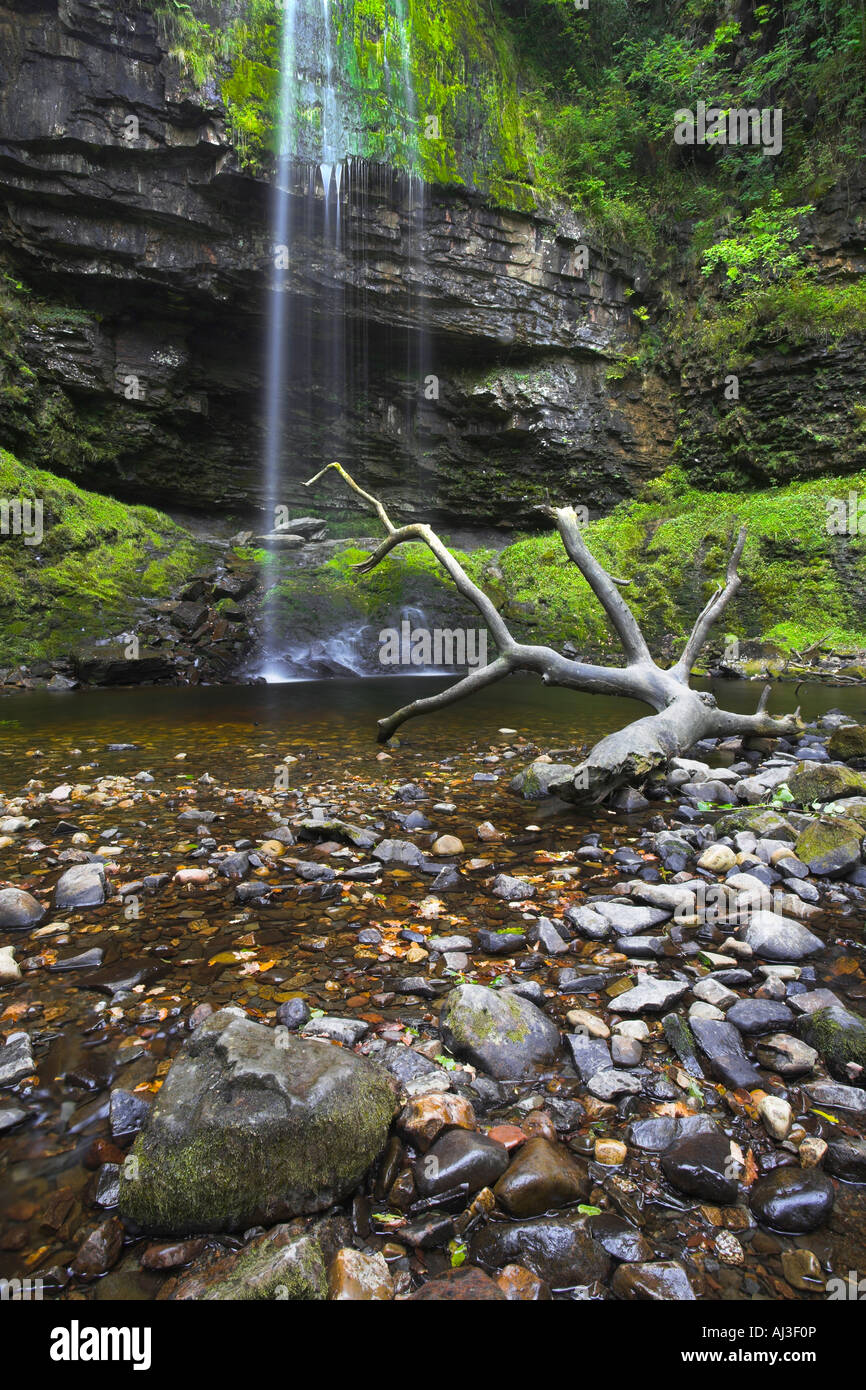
(98, 559)
(225, 1177)
(825, 783)
(826, 844)
(673, 547)
(849, 741)
(839, 1036)
(333, 596)
(461, 122)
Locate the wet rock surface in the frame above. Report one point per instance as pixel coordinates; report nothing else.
(252, 1126)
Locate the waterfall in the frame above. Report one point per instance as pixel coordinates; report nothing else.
(317, 351)
(277, 363)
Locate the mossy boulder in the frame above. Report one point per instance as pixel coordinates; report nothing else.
(761, 820)
(501, 1033)
(830, 848)
(254, 1125)
(840, 1037)
(98, 563)
(848, 742)
(536, 780)
(825, 782)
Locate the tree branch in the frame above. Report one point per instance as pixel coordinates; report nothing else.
(602, 584)
(367, 496)
(711, 614)
(418, 532)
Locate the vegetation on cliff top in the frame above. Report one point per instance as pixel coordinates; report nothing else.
(602, 87)
(86, 579)
(607, 81)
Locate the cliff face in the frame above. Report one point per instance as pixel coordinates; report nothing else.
(462, 358)
(475, 341)
(800, 410)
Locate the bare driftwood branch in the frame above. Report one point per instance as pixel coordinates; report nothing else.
(682, 716)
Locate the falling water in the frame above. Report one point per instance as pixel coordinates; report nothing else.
(321, 347)
(277, 360)
(334, 384)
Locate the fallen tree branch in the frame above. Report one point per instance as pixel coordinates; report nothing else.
(682, 716)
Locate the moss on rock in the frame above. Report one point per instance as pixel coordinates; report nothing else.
(254, 1125)
(839, 1036)
(849, 741)
(825, 782)
(830, 847)
(95, 563)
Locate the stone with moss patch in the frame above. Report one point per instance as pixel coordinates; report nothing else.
(825, 782)
(831, 847)
(840, 1037)
(253, 1125)
(538, 779)
(503, 1034)
(760, 820)
(848, 742)
(96, 564)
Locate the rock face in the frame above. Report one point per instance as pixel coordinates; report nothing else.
(253, 1126)
(172, 234)
(504, 1035)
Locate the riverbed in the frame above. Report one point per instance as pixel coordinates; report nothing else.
(106, 993)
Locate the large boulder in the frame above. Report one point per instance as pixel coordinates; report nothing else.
(830, 848)
(254, 1125)
(848, 742)
(824, 782)
(503, 1034)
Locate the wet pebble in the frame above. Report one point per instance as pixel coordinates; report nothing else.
(796, 1200)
